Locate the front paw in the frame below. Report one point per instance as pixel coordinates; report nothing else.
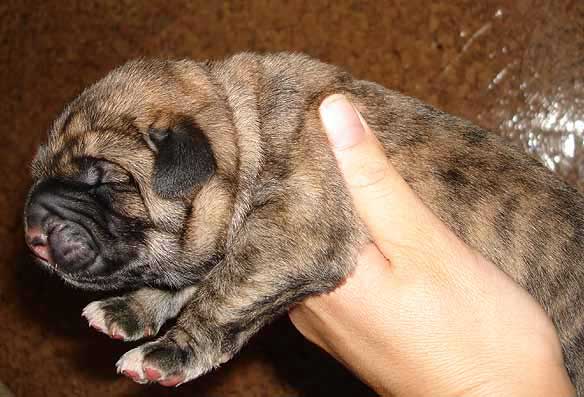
(120, 318)
(170, 361)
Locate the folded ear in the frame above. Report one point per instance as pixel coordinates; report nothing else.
(184, 159)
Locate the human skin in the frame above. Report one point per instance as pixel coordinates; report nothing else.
(423, 313)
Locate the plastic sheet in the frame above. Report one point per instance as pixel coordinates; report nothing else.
(547, 116)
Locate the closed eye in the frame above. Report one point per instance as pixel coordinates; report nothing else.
(126, 187)
(98, 172)
(116, 178)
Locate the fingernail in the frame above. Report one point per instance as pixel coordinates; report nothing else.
(341, 121)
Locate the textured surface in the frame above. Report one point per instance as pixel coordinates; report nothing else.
(514, 66)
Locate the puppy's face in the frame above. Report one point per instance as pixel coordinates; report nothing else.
(115, 186)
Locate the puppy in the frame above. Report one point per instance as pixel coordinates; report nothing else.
(210, 190)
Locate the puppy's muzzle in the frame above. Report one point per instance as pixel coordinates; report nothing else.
(54, 230)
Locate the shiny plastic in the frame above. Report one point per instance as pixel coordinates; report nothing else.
(542, 106)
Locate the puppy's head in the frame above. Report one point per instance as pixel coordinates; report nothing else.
(126, 189)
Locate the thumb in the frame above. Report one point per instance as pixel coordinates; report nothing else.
(394, 215)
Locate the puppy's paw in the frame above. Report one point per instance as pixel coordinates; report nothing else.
(170, 361)
(121, 318)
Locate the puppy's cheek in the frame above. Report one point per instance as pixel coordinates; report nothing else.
(162, 247)
(167, 216)
(131, 207)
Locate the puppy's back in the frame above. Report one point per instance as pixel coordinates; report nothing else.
(497, 199)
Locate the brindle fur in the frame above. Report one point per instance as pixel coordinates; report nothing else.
(272, 222)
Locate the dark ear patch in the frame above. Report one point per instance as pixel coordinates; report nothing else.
(184, 159)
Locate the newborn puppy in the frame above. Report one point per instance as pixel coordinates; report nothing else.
(210, 190)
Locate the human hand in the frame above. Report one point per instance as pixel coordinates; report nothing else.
(423, 314)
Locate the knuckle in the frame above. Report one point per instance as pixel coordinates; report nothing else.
(367, 174)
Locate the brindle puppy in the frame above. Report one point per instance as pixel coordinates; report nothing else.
(210, 189)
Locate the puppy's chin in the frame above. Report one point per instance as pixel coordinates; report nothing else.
(95, 284)
(134, 276)
(119, 280)
(84, 279)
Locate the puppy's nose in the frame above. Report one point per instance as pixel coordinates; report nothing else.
(38, 242)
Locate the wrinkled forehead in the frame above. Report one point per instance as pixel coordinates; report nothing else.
(76, 139)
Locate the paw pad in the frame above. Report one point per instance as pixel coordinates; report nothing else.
(162, 361)
(152, 374)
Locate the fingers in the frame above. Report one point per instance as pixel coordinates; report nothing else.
(391, 210)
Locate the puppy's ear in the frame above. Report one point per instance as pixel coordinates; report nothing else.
(184, 159)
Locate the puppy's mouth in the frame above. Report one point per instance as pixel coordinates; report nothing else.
(38, 243)
(62, 245)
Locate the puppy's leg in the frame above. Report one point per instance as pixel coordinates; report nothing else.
(136, 315)
(259, 279)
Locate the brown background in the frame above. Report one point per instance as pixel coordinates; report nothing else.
(515, 66)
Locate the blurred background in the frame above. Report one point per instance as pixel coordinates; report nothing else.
(513, 66)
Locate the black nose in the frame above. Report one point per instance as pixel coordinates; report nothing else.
(54, 232)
